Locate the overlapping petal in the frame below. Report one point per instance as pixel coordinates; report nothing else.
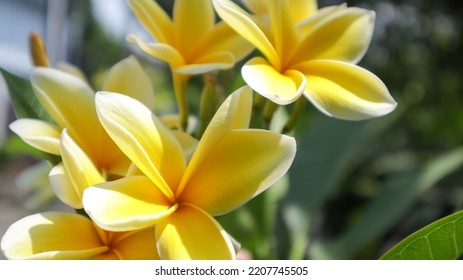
(154, 19)
(161, 51)
(78, 166)
(345, 90)
(343, 34)
(143, 138)
(64, 188)
(190, 233)
(125, 204)
(209, 62)
(243, 24)
(281, 88)
(52, 235)
(192, 20)
(238, 167)
(39, 134)
(135, 245)
(129, 78)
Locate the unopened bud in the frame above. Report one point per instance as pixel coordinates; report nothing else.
(37, 49)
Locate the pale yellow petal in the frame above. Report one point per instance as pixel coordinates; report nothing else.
(64, 188)
(281, 88)
(188, 143)
(52, 235)
(79, 168)
(234, 113)
(135, 245)
(243, 24)
(309, 24)
(207, 63)
(240, 166)
(191, 234)
(154, 19)
(126, 204)
(346, 91)
(71, 69)
(129, 78)
(302, 9)
(223, 38)
(192, 20)
(143, 138)
(160, 51)
(39, 134)
(343, 35)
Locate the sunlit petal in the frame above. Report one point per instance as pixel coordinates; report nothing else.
(126, 204)
(222, 37)
(302, 9)
(39, 134)
(250, 162)
(129, 78)
(78, 166)
(154, 19)
(69, 101)
(143, 138)
(343, 35)
(160, 51)
(190, 233)
(192, 20)
(234, 113)
(267, 81)
(52, 235)
(309, 24)
(64, 188)
(345, 90)
(243, 24)
(207, 63)
(135, 245)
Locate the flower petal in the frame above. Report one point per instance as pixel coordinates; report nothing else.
(126, 204)
(191, 234)
(243, 24)
(192, 20)
(39, 134)
(52, 235)
(160, 51)
(64, 188)
(234, 113)
(250, 162)
(264, 79)
(69, 101)
(129, 78)
(343, 35)
(214, 61)
(135, 245)
(79, 168)
(346, 91)
(302, 9)
(143, 138)
(154, 19)
(223, 38)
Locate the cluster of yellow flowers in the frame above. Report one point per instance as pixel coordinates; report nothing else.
(143, 190)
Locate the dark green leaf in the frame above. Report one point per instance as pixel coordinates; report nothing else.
(440, 240)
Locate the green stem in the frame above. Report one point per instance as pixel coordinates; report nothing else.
(298, 109)
(269, 110)
(180, 82)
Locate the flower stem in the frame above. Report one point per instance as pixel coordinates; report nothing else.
(269, 110)
(180, 82)
(295, 114)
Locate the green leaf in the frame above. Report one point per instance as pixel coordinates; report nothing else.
(396, 197)
(440, 240)
(23, 99)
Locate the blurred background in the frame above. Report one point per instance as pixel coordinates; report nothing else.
(355, 189)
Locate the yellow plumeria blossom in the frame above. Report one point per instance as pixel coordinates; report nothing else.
(231, 164)
(70, 102)
(61, 235)
(314, 57)
(191, 42)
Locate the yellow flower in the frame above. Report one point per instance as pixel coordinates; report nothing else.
(314, 57)
(70, 102)
(230, 165)
(60, 235)
(191, 42)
